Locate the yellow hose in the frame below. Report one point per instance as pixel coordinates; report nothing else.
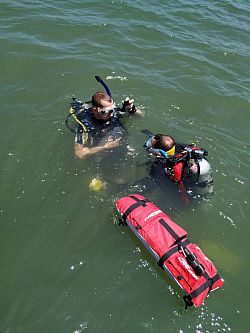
(72, 111)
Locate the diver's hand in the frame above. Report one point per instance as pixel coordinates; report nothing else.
(81, 151)
(84, 152)
(128, 106)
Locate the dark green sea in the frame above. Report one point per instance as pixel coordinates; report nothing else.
(66, 265)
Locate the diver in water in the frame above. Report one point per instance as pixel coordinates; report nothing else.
(176, 166)
(100, 134)
(99, 122)
(183, 164)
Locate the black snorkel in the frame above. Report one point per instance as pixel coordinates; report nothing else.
(98, 79)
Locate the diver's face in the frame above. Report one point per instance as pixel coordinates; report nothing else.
(105, 111)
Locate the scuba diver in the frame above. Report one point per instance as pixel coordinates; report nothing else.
(177, 165)
(183, 164)
(99, 126)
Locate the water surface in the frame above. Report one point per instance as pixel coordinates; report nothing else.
(66, 265)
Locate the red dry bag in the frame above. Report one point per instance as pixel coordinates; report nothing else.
(168, 242)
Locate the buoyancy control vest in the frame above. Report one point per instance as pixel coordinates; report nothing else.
(190, 163)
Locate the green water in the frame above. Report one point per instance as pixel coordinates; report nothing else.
(66, 266)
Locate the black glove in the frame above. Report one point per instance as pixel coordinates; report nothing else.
(128, 106)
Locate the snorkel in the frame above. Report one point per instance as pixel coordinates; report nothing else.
(98, 79)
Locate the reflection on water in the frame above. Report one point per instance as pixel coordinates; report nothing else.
(225, 258)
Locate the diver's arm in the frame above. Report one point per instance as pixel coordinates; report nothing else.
(84, 152)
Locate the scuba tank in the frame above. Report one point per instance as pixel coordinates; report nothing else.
(198, 167)
(201, 170)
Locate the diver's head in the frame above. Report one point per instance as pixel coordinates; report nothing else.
(102, 106)
(163, 141)
(161, 145)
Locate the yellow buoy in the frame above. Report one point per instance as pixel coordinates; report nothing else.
(96, 184)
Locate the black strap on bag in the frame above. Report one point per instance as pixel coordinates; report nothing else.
(170, 252)
(138, 203)
(169, 229)
(175, 245)
(208, 284)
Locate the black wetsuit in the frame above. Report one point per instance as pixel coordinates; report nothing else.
(99, 131)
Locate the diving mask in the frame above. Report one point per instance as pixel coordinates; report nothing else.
(105, 111)
(168, 153)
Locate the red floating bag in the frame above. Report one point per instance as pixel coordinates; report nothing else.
(168, 242)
